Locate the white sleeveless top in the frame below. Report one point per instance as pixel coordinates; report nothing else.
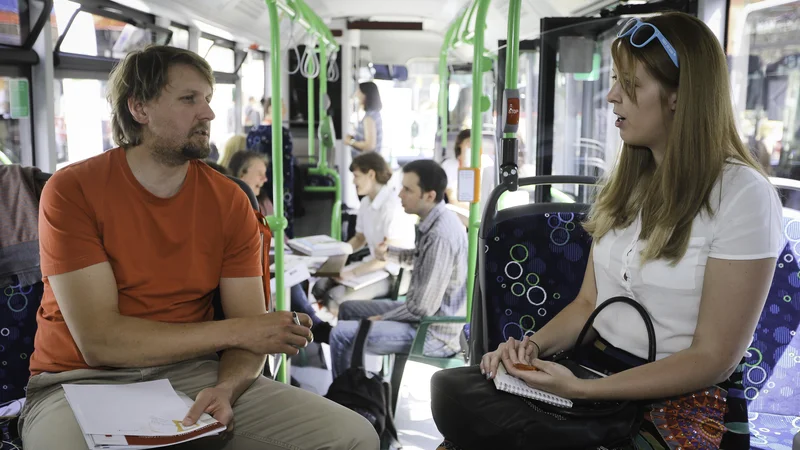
(747, 225)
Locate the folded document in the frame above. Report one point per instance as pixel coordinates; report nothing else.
(135, 416)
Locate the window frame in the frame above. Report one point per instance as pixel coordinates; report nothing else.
(99, 65)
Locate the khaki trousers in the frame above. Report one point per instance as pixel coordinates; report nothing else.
(268, 416)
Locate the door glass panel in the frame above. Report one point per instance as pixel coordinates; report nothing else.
(585, 140)
(765, 77)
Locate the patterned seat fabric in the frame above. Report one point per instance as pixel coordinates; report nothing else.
(259, 139)
(772, 367)
(534, 266)
(18, 306)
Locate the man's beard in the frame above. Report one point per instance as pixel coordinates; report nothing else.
(171, 156)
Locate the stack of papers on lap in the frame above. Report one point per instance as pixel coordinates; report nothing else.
(135, 416)
(320, 245)
(363, 279)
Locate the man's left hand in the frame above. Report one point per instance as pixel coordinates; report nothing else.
(375, 318)
(215, 401)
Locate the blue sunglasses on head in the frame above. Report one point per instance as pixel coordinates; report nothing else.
(643, 33)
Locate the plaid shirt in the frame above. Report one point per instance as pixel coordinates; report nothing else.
(438, 281)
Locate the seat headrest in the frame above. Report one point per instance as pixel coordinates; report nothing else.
(250, 194)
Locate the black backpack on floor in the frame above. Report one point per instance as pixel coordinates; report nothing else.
(365, 392)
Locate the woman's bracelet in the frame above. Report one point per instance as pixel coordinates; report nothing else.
(538, 349)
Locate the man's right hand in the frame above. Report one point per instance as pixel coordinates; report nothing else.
(276, 332)
(524, 351)
(381, 250)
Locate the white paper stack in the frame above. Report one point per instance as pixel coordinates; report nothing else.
(135, 416)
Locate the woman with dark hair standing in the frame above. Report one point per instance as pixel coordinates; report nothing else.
(369, 134)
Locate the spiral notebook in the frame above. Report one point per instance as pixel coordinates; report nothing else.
(506, 382)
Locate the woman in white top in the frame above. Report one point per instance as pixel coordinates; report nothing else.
(380, 218)
(687, 225)
(451, 165)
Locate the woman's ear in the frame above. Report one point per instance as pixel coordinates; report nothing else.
(673, 101)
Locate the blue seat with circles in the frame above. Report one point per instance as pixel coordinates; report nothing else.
(531, 266)
(772, 367)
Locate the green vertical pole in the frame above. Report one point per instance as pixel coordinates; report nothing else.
(311, 126)
(323, 91)
(444, 84)
(512, 49)
(277, 222)
(475, 138)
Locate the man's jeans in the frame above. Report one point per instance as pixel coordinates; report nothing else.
(385, 336)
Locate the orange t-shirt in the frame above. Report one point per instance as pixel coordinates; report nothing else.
(168, 255)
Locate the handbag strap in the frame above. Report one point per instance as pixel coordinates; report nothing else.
(648, 323)
(357, 361)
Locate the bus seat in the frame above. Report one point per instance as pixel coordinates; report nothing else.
(20, 299)
(532, 266)
(531, 261)
(250, 194)
(771, 382)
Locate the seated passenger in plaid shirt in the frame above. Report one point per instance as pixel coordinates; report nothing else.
(438, 281)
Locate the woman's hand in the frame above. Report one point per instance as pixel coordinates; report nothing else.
(549, 376)
(524, 351)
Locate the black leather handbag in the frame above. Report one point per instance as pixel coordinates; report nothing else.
(588, 424)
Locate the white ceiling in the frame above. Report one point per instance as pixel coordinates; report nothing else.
(247, 20)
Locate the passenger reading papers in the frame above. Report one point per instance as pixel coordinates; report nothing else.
(134, 243)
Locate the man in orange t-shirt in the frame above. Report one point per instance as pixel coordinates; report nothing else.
(133, 244)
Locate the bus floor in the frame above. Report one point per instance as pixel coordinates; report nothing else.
(415, 426)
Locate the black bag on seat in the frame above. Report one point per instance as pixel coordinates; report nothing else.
(601, 423)
(521, 424)
(365, 392)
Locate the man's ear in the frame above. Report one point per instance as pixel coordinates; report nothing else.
(138, 111)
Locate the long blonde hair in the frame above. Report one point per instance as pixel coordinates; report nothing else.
(702, 137)
(234, 144)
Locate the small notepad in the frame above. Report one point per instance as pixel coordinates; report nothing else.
(506, 382)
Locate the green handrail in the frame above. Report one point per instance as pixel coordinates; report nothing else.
(458, 33)
(298, 11)
(476, 140)
(322, 168)
(444, 85)
(311, 124)
(512, 49)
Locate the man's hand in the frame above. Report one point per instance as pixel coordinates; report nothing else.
(215, 401)
(348, 139)
(275, 333)
(375, 318)
(381, 250)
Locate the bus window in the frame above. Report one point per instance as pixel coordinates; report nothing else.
(83, 120)
(15, 130)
